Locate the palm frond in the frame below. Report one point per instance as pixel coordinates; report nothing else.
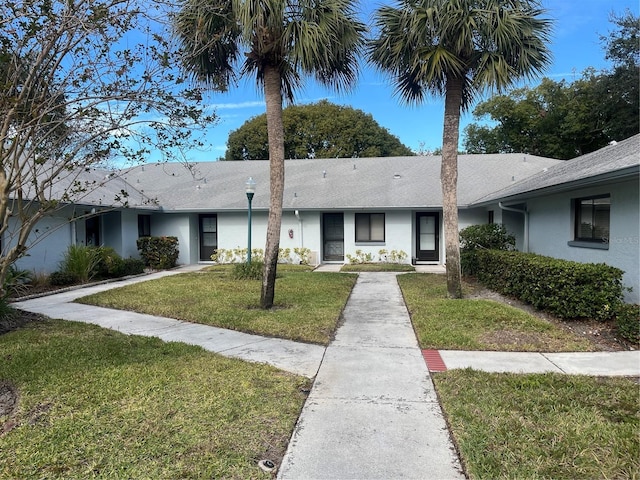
(208, 38)
(489, 44)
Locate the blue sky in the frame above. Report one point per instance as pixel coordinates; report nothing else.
(575, 46)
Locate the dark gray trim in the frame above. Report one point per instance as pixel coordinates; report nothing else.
(583, 244)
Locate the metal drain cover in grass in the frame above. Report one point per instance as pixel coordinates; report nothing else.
(267, 465)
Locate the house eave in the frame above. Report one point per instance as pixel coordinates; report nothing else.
(625, 174)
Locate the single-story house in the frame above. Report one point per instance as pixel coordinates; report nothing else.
(584, 209)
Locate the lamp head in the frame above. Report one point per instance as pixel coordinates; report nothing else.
(250, 185)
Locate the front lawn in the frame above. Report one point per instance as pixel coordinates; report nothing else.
(307, 304)
(470, 324)
(542, 425)
(90, 402)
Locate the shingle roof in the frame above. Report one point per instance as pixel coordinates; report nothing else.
(618, 160)
(390, 182)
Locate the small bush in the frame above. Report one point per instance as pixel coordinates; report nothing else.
(159, 253)
(360, 257)
(303, 254)
(132, 266)
(564, 288)
(248, 271)
(81, 262)
(628, 322)
(486, 237)
(62, 279)
(17, 281)
(110, 264)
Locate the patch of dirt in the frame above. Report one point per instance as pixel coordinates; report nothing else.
(8, 405)
(16, 320)
(505, 337)
(602, 335)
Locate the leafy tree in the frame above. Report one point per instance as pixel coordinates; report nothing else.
(564, 120)
(620, 88)
(554, 119)
(77, 90)
(458, 49)
(317, 130)
(277, 41)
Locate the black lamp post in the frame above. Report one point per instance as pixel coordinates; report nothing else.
(250, 185)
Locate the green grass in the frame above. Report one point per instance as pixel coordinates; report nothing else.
(377, 267)
(307, 304)
(96, 403)
(542, 426)
(468, 324)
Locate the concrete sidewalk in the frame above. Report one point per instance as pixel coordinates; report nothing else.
(299, 358)
(305, 359)
(372, 412)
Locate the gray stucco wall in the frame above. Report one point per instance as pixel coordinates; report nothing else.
(47, 243)
(551, 228)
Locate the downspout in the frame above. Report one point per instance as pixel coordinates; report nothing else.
(297, 213)
(525, 212)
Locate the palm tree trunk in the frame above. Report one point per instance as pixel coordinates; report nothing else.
(449, 181)
(275, 133)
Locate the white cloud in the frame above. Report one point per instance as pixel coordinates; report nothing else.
(228, 106)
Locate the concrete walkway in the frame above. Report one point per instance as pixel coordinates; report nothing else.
(372, 412)
(299, 358)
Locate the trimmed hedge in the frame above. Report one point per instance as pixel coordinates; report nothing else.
(159, 253)
(564, 288)
(491, 236)
(628, 322)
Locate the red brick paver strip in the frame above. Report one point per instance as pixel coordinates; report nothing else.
(434, 361)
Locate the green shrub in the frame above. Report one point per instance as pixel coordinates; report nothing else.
(132, 266)
(17, 281)
(110, 264)
(564, 288)
(628, 322)
(486, 237)
(248, 271)
(159, 253)
(62, 279)
(81, 262)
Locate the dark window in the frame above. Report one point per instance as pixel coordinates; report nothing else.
(369, 227)
(144, 226)
(592, 219)
(490, 217)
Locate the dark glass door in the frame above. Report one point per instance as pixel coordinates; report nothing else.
(427, 236)
(333, 237)
(208, 236)
(92, 231)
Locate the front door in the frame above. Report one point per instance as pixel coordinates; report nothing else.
(333, 237)
(427, 236)
(208, 236)
(92, 231)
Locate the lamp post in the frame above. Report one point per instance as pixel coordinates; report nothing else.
(250, 188)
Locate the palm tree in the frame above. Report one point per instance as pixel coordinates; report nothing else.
(458, 49)
(277, 41)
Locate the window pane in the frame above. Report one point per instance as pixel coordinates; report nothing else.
(209, 224)
(362, 227)
(427, 233)
(601, 222)
(369, 227)
(209, 240)
(592, 218)
(377, 227)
